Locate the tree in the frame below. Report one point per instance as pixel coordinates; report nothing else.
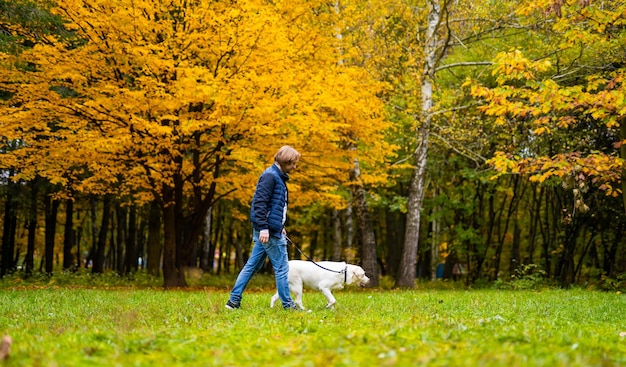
(21, 22)
(175, 102)
(564, 94)
(559, 97)
(433, 50)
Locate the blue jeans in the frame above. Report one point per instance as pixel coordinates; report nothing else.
(276, 250)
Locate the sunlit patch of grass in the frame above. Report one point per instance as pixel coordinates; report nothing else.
(78, 326)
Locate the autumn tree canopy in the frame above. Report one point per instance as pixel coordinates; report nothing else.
(185, 102)
(152, 81)
(567, 92)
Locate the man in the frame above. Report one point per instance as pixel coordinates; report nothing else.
(268, 214)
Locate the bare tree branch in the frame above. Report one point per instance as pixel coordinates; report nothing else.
(460, 64)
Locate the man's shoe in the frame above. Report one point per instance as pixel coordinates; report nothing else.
(231, 305)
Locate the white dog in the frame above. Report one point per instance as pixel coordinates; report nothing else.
(323, 276)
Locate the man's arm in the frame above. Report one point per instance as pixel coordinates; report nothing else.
(261, 201)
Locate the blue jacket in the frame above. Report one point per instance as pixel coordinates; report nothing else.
(269, 204)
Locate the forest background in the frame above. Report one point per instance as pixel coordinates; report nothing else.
(440, 139)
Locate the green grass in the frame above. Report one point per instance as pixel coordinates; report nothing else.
(54, 325)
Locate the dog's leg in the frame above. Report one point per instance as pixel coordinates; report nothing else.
(329, 297)
(296, 287)
(298, 301)
(297, 295)
(274, 299)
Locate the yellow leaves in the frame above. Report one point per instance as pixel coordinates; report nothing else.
(228, 82)
(504, 163)
(549, 105)
(500, 121)
(597, 167)
(609, 190)
(234, 13)
(513, 65)
(565, 122)
(567, 109)
(528, 7)
(495, 109)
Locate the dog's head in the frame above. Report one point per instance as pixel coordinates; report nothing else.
(356, 275)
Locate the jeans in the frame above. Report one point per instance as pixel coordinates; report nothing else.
(276, 250)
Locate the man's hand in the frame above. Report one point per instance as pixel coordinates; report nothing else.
(264, 236)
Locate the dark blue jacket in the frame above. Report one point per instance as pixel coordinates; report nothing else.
(269, 203)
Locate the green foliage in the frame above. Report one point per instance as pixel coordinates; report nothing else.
(84, 278)
(608, 283)
(525, 277)
(616, 284)
(141, 327)
(26, 22)
(80, 278)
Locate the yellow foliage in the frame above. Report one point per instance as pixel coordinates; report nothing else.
(513, 65)
(552, 103)
(206, 90)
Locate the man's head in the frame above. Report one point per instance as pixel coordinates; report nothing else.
(287, 158)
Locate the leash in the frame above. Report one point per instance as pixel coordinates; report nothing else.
(344, 271)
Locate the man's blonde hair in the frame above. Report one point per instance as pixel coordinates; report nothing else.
(286, 155)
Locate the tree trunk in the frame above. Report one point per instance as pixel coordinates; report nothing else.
(120, 235)
(434, 245)
(110, 257)
(514, 261)
(8, 231)
(622, 150)
(395, 222)
(407, 271)
(313, 244)
(475, 256)
(29, 262)
(173, 274)
(535, 226)
(503, 229)
(349, 250)
(223, 264)
(567, 267)
(68, 240)
(336, 218)
(140, 251)
(368, 257)
(51, 211)
(98, 258)
(153, 251)
(207, 252)
(609, 255)
(93, 206)
(78, 238)
(131, 260)
(547, 233)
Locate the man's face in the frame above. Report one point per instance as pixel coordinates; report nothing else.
(288, 167)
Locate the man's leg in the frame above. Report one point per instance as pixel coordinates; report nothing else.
(254, 263)
(276, 250)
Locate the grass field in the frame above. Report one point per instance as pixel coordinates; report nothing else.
(62, 325)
